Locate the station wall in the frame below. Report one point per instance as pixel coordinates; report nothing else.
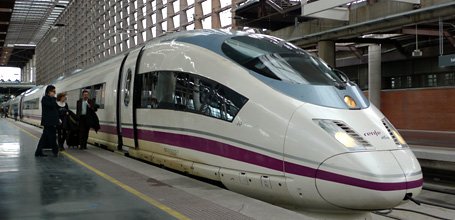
(424, 116)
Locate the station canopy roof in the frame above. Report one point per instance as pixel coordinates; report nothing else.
(23, 23)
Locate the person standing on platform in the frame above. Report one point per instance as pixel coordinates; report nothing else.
(49, 120)
(84, 106)
(15, 113)
(63, 112)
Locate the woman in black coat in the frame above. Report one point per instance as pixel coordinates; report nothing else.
(49, 119)
(63, 118)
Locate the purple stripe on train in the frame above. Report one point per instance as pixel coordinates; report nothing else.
(329, 176)
(211, 147)
(251, 157)
(108, 129)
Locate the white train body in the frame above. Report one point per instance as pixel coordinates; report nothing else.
(260, 136)
(31, 105)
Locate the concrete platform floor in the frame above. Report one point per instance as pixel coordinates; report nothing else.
(98, 184)
(56, 187)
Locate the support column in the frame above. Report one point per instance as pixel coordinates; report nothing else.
(148, 21)
(23, 74)
(198, 14)
(326, 50)
(125, 38)
(183, 14)
(216, 7)
(374, 74)
(170, 18)
(33, 70)
(27, 71)
(233, 21)
(140, 25)
(159, 18)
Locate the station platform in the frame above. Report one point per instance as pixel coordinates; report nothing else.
(443, 154)
(99, 184)
(435, 158)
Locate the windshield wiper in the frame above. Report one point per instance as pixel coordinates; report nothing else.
(343, 77)
(340, 85)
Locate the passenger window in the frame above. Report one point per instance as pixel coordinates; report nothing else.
(219, 101)
(126, 99)
(165, 88)
(148, 93)
(32, 104)
(98, 95)
(72, 97)
(187, 92)
(158, 90)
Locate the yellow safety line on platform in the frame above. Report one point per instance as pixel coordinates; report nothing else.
(144, 197)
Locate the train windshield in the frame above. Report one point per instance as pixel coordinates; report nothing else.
(293, 71)
(279, 60)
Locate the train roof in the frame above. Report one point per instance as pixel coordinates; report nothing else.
(207, 38)
(32, 90)
(210, 39)
(200, 33)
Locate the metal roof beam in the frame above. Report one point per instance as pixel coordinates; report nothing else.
(428, 32)
(389, 22)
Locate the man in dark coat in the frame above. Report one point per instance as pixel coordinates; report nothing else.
(85, 107)
(49, 120)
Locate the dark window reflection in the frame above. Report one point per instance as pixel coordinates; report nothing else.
(32, 104)
(96, 92)
(190, 93)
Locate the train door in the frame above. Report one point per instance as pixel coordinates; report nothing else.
(126, 125)
(118, 105)
(21, 107)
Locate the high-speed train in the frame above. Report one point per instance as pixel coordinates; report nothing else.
(260, 115)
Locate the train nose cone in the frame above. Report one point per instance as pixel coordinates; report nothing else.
(369, 180)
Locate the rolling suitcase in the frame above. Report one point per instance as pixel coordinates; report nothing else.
(72, 138)
(72, 132)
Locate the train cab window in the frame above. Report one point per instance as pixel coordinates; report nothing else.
(190, 93)
(279, 60)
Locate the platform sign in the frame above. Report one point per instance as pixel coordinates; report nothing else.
(447, 60)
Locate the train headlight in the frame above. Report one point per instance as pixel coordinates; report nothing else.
(396, 136)
(345, 139)
(399, 137)
(343, 134)
(350, 102)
